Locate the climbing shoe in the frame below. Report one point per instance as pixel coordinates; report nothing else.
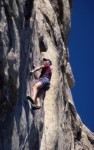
(30, 99)
(36, 107)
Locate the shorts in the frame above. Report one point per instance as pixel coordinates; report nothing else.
(46, 82)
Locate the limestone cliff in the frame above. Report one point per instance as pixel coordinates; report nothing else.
(29, 31)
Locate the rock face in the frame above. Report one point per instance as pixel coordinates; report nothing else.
(29, 31)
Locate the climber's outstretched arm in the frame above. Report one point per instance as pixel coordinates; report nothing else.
(37, 68)
(36, 75)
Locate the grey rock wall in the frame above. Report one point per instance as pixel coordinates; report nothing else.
(29, 31)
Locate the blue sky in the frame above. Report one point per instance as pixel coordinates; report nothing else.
(81, 46)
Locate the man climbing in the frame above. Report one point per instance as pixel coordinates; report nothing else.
(43, 82)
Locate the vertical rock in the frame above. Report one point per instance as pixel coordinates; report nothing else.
(29, 31)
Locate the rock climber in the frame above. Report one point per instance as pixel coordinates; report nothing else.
(43, 82)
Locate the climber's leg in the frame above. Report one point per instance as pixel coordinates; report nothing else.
(42, 83)
(37, 101)
(36, 89)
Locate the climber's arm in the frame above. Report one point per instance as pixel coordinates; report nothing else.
(36, 75)
(37, 68)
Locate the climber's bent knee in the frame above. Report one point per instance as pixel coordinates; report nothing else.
(38, 85)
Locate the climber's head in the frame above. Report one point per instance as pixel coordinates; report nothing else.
(47, 61)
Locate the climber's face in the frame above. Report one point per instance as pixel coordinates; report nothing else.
(45, 62)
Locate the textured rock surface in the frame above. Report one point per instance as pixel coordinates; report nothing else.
(30, 30)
